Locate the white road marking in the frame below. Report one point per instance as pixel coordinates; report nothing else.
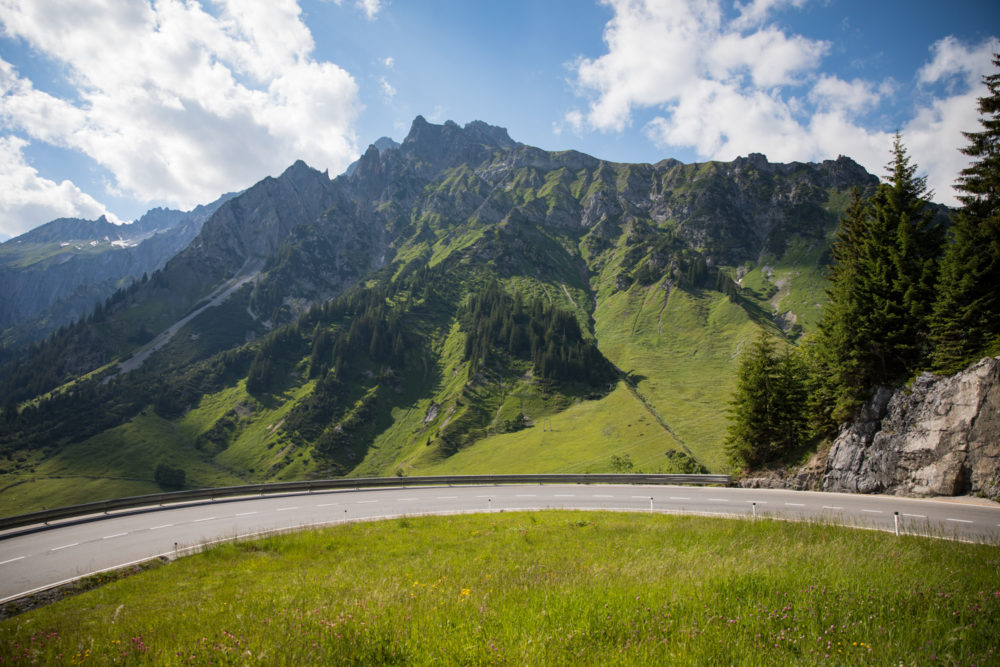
(916, 516)
(409, 500)
(600, 495)
(363, 502)
(795, 504)
(65, 546)
(832, 507)
(759, 502)
(564, 495)
(484, 496)
(286, 509)
(12, 560)
(207, 518)
(679, 498)
(326, 504)
(111, 537)
(245, 513)
(959, 520)
(166, 525)
(873, 511)
(643, 497)
(447, 497)
(526, 495)
(720, 500)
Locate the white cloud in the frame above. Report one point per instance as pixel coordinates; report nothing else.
(370, 7)
(27, 199)
(387, 88)
(730, 88)
(389, 62)
(178, 103)
(755, 12)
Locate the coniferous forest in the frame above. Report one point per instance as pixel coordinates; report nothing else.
(907, 292)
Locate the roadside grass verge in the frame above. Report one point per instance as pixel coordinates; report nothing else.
(551, 587)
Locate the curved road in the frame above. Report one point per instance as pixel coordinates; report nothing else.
(33, 560)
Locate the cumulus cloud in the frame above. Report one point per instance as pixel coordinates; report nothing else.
(27, 199)
(179, 103)
(729, 88)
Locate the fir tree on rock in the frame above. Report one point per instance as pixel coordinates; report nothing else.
(966, 316)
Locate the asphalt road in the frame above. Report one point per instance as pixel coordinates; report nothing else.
(35, 560)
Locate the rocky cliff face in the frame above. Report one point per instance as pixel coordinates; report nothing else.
(942, 437)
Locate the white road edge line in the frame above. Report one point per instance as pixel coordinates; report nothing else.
(65, 546)
(12, 560)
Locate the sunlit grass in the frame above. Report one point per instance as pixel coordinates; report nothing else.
(540, 588)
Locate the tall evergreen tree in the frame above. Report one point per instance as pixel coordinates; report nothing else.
(874, 330)
(966, 317)
(768, 410)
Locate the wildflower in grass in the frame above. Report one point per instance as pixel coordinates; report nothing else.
(465, 593)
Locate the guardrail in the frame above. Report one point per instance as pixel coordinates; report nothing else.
(176, 497)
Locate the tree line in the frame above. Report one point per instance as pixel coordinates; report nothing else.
(907, 294)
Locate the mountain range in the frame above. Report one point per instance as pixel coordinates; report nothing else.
(456, 302)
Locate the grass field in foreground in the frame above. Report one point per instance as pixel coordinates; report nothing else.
(550, 587)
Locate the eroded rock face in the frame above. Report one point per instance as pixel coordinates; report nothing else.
(940, 437)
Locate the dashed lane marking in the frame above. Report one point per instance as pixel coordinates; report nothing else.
(873, 511)
(207, 518)
(959, 520)
(526, 495)
(679, 498)
(719, 500)
(564, 495)
(759, 502)
(832, 507)
(65, 546)
(11, 560)
(916, 516)
(166, 525)
(245, 513)
(447, 497)
(795, 504)
(365, 502)
(111, 537)
(406, 500)
(286, 509)
(326, 504)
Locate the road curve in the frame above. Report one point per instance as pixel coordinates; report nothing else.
(33, 560)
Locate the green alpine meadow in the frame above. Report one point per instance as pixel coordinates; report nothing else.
(554, 588)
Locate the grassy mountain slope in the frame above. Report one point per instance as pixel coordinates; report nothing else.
(461, 303)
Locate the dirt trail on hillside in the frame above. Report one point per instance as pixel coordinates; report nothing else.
(215, 299)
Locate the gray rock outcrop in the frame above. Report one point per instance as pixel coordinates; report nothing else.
(939, 437)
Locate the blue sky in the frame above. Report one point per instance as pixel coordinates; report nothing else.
(115, 106)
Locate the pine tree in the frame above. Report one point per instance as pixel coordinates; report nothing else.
(768, 410)
(966, 317)
(875, 328)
